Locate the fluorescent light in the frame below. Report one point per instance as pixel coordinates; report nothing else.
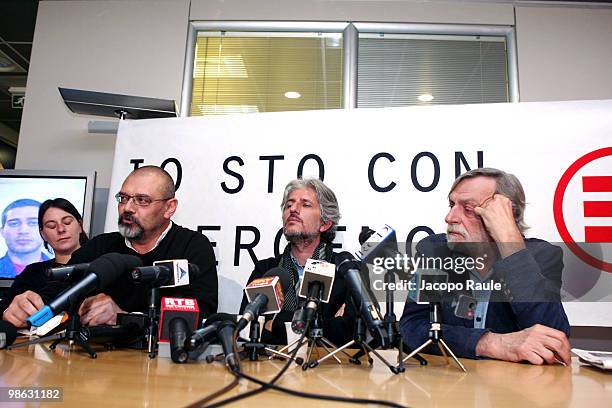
(292, 95)
(426, 97)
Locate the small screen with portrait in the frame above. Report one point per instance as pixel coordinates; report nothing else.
(21, 193)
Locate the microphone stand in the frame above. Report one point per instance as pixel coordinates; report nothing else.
(359, 339)
(390, 322)
(435, 337)
(315, 339)
(255, 348)
(153, 315)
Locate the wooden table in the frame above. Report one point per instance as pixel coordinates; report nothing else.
(128, 378)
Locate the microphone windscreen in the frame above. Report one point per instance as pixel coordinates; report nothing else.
(109, 267)
(346, 261)
(8, 334)
(365, 234)
(283, 275)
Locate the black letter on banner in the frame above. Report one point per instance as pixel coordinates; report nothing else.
(319, 162)
(249, 247)
(413, 171)
(271, 169)
(375, 186)
(179, 170)
(136, 162)
(338, 245)
(460, 159)
(210, 228)
(277, 239)
(233, 173)
(412, 233)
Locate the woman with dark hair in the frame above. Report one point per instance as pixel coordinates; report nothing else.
(61, 227)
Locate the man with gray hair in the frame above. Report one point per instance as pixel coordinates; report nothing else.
(310, 216)
(516, 281)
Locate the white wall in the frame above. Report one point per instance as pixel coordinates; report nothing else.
(564, 53)
(128, 47)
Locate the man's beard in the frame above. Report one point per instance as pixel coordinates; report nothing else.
(301, 237)
(135, 231)
(474, 247)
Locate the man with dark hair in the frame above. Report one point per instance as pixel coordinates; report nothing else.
(310, 216)
(146, 204)
(522, 318)
(20, 232)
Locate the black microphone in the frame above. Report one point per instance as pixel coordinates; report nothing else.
(368, 307)
(166, 274)
(305, 314)
(8, 334)
(266, 295)
(102, 272)
(205, 335)
(225, 334)
(63, 273)
(116, 334)
(179, 330)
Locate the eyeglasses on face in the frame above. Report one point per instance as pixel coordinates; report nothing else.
(141, 200)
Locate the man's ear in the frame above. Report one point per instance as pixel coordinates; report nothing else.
(170, 208)
(325, 226)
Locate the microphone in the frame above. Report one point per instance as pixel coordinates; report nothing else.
(102, 272)
(8, 334)
(382, 243)
(433, 286)
(63, 273)
(315, 287)
(116, 334)
(225, 334)
(166, 274)
(368, 307)
(179, 330)
(265, 295)
(178, 319)
(205, 335)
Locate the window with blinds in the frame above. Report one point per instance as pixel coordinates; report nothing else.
(402, 70)
(266, 72)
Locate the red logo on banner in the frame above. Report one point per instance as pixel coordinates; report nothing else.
(591, 208)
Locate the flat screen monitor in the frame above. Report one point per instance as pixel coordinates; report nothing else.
(40, 185)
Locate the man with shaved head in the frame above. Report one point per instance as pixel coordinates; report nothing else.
(146, 204)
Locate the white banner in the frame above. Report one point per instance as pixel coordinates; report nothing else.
(392, 166)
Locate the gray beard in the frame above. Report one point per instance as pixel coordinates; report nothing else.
(134, 233)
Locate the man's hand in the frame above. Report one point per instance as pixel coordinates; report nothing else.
(538, 344)
(22, 307)
(498, 219)
(99, 309)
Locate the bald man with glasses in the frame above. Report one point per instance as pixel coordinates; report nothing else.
(146, 204)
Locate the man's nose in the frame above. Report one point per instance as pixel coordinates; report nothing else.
(453, 215)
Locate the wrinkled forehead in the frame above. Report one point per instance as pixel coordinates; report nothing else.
(473, 189)
(142, 183)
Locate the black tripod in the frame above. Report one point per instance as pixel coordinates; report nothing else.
(391, 327)
(359, 339)
(255, 348)
(315, 339)
(74, 333)
(435, 337)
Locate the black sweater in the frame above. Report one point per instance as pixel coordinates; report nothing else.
(33, 277)
(179, 243)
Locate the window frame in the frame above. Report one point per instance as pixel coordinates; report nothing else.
(350, 38)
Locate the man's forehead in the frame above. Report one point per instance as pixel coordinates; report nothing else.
(473, 189)
(141, 183)
(304, 193)
(22, 212)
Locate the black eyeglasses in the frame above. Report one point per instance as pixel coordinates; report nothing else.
(139, 199)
